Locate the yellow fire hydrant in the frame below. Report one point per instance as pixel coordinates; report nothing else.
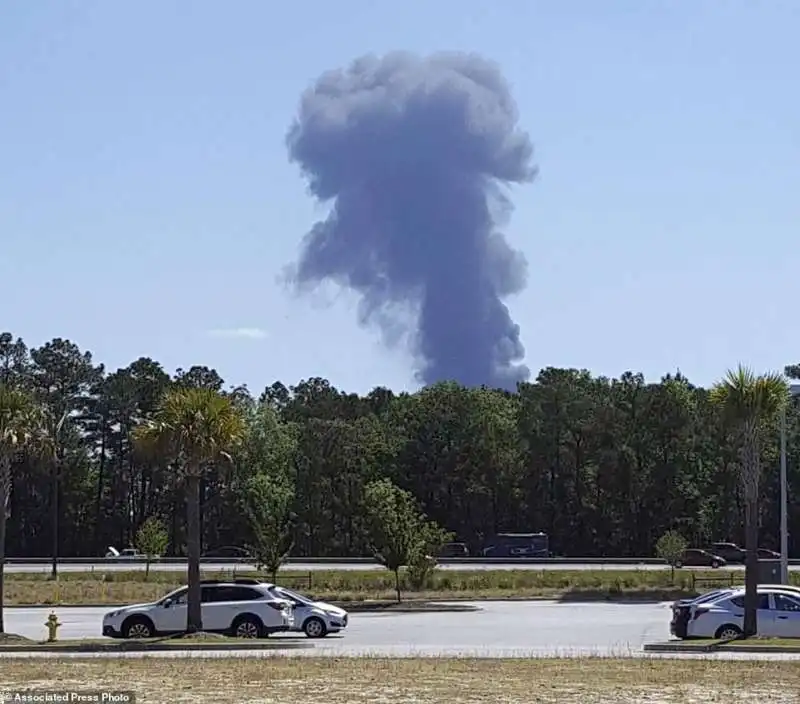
(53, 624)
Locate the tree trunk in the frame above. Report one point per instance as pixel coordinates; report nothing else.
(101, 472)
(751, 569)
(194, 613)
(5, 490)
(751, 468)
(54, 514)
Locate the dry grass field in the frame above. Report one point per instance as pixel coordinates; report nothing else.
(285, 680)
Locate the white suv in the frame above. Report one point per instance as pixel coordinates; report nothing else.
(244, 608)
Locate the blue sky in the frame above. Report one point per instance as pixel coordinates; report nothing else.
(147, 205)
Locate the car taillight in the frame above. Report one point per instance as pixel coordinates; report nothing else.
(698, 613)
(276, 605)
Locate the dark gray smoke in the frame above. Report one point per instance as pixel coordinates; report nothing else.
(414, 152)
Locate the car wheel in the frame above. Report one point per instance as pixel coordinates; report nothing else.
(315, 628)
(728, 632)
(714, 564)
(138, 627)
(247, 627)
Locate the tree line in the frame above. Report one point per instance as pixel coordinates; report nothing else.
(603, 466)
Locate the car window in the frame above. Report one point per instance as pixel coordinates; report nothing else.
(763, 602)
(179, 597)
(712, 596)
(209, 594)
(283, 593)
(786, 603)
(235, 593)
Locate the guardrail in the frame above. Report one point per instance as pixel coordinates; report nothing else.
(622, 561)
(182, 560)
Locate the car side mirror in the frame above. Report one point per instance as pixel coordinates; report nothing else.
(166, 603)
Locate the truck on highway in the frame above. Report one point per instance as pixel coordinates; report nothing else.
(518, 545)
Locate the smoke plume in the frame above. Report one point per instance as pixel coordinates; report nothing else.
(413, 153)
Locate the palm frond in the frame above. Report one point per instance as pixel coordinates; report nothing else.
(744, 396)
(20, 418)
(195, 426)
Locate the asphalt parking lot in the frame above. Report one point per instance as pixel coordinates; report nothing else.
(498, 629)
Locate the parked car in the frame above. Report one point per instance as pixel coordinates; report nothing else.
(719, 593)
(127, 554)
(243, 608)
(708, 596)
(764, 554)
(314, 618)
(694, 557)
(227, 552)
(723, 615)
(730, 552)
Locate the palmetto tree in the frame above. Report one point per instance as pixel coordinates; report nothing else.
(749, 403)
(197, 429)
(19, 423)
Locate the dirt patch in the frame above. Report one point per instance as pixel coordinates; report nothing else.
(421, 681)
(14, 639)
(201, 637)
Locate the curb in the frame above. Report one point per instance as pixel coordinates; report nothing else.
(679, 647)
(724, 646)
(131, 647)
(759, 648)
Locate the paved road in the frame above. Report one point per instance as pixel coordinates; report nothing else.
(315, 567)
(499, 629)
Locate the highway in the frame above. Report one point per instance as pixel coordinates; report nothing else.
(108, 566)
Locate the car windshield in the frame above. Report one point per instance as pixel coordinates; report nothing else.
(711, 596)
(177, 596)
(293, 596)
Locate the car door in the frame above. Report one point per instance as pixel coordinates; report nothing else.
(170, 617)
(302, 609)
(214, 600)
(691, 558)
(225, 604)
(764, 613)
(786, 617)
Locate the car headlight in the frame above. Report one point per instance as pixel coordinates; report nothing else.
(112, 614)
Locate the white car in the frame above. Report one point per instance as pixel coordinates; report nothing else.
(314, 618)
(243, 608)
(126, 554)
(723, 615)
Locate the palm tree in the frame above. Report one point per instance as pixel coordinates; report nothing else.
(749, 403)
(18, 425)
(196, 428)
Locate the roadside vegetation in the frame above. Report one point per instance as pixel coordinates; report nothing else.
(360, 585)
(424, 681)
